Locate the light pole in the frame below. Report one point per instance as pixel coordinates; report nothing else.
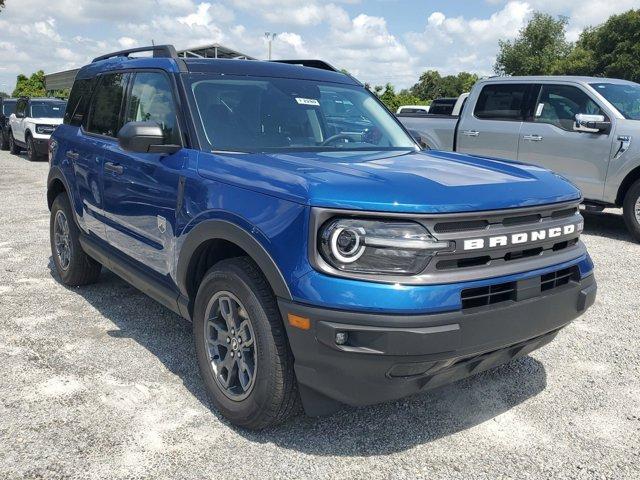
(270, 38)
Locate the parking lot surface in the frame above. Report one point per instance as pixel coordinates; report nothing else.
(102, 382)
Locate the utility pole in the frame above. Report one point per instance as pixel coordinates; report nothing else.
(270, 38)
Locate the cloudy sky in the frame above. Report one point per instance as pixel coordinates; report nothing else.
(378, 41)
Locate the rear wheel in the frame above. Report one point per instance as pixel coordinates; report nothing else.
(631, 210)
(4, 141)
(241, 345)
(73, 265)
(13, 146)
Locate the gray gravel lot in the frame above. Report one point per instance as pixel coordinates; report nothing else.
(101, 382)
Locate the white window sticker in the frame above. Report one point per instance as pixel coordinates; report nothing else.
(308, 101)
(539, 109)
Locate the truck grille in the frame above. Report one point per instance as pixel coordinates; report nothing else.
(503, 292)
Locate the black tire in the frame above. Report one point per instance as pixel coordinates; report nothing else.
(14, 149)
(4, 142)
(32, 155)
(78, 268)
(274, 394)
(631, 210)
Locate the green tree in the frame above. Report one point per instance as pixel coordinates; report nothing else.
(609, 50)
(432, 85)
(540, 48)
(4, 95)
(30, 86)
(1, 4)
(394, 100)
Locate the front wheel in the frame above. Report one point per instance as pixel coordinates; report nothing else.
(242, 348)
(31, 150)
(73, 265)
(631, 210)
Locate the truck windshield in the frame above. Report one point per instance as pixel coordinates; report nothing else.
(625, 97)
(277, 114)
(47, 109)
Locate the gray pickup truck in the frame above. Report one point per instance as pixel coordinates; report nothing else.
(586, 129)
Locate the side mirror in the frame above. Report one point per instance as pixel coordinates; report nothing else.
(144, 137)
(591, 123)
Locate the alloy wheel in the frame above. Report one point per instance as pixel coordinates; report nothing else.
(230, 345)
(637, 210)
(62, 240)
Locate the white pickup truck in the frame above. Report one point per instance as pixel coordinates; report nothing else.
(586, 129)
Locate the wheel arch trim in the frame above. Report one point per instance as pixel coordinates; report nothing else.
(217, 229)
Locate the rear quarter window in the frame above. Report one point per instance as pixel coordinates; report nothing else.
(78, 105)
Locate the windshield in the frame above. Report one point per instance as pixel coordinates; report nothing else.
(276, 114)
(8, 108)
(47, 109)
(625, 97)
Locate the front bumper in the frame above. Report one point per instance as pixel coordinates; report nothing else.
(41, 145)
(388, 357)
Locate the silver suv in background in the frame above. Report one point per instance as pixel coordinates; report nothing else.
(584, 128)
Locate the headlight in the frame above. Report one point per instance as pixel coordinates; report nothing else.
(377, 247)
(45, 129)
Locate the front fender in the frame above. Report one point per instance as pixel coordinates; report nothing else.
(216, 229)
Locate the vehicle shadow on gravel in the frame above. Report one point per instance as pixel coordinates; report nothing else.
(376, 430)
(606, 224)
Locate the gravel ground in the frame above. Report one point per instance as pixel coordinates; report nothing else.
(101, 382)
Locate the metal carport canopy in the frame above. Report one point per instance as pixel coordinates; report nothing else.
(64, 80)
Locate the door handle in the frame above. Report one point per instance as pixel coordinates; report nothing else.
(471, 133)
(114, 168)
(71, 155)
(532, 138)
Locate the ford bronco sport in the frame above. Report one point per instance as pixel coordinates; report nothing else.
(32, 124)
(322, 257)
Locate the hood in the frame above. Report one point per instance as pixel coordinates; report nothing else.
(420, 182)
(47, 121)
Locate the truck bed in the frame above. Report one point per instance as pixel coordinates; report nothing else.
(434, 131)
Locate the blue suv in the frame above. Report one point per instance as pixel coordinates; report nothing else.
(322, 257)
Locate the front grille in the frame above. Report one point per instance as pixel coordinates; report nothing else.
(504, 221)
(503, 292)
(449, 227)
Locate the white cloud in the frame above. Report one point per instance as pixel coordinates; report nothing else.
(69, 33)
(452, 44)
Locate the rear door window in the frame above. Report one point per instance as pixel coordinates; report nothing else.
(104, 114)
(502, 102)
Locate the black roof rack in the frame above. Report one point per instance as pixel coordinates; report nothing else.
(321, 64)
(159, 51)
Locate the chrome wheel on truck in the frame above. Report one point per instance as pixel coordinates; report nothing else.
(631, 210)
(231, 345)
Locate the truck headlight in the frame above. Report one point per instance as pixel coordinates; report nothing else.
(377, 246)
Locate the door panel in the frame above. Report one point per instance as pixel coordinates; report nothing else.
(493, 128)
(550, 141)
(488, 138)
(141, 189)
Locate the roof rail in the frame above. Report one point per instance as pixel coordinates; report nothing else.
(310, 63)
(159, 51)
